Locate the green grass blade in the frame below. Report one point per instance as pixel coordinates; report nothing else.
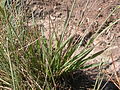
(67, 22)
(70, 64)
(11, 67)
(2, 11)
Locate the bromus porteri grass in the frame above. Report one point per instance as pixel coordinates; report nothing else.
(29, 60)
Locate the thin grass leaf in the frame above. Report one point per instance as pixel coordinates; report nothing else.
(64, 43)
(69, 65)
(67, 22)
(91, 57)
(79, 56)
(96, 54)
(91, 65)
(2, 11)
(99, 78)
(5, 82)
(70, 51)
(11, 67)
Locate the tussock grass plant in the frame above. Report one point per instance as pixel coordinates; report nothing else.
(29, 60)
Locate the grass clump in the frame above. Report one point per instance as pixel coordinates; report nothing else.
(29, 60)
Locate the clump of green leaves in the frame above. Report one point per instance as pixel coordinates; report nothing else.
(29, 60)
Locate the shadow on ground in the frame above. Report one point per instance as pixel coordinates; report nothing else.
(79, 80)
